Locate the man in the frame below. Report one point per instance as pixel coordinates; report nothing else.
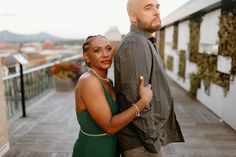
(137, 56)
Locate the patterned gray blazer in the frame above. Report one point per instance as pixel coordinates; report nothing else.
(157, 125)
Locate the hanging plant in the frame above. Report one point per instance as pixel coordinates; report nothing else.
(227, 35)
(195, 84)
(194, 26)
(162, 43)
(175, 37)
(182, 63)
(227, 32)
(222, 80)
(169, 63)
(233, 68)
(207, 65)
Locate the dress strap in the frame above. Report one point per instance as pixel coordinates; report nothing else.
(103, 85)
(92, 135)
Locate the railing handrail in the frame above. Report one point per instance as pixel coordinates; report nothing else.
(41, 67)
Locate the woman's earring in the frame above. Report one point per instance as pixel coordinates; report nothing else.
(87, 62)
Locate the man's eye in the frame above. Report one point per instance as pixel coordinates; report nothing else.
(148, 7)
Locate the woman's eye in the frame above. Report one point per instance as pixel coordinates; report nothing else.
(96, 50)
(109, 48)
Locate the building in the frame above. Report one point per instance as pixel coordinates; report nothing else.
(114, 36)
(197, 43)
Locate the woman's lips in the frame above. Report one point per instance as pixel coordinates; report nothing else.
(106, 61)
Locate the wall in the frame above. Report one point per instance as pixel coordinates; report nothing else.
(215, 97)
(183, 40)
(4, 144)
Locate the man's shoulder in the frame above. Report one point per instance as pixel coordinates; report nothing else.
(132, 39)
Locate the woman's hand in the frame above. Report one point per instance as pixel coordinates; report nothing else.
(145, 93)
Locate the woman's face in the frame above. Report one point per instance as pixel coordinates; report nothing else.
(99, 53)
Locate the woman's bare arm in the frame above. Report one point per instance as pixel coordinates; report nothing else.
(97, 105)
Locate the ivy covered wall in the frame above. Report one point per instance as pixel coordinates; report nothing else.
(182, 64)
(194, 26)
(206, 63)
(175, 37)
(170, 63)
(162, 43)
(207, 59)
(227, 34)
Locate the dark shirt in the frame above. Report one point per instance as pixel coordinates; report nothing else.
(157, 125)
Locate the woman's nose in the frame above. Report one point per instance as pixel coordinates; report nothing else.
(105, 53)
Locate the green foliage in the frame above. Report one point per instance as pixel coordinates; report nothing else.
(195, 84)
(233, 68)
(222, 80)
(227, 32)
(207, 65)
(227, 35)
(207, 71)
(170, 63)
(194, 26)
(175, 37)
(162, 43)
(182, 64)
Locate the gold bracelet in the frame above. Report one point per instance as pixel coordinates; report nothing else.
(137, 110)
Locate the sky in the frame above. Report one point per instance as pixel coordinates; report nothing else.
(70, 18)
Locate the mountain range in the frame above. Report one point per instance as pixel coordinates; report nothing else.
(13, 37)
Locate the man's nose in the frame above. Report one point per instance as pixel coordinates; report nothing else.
(156, 11)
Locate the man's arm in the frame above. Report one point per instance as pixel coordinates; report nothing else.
(130, 63)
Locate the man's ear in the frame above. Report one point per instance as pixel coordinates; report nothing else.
(132, 17)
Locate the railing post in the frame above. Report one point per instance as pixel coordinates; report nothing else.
(22, 91)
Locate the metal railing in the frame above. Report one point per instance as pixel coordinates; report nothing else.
(37, 82)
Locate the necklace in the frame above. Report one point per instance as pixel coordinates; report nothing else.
(94, 72)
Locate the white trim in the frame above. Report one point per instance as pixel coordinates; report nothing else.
(4, 149)
(187, 9)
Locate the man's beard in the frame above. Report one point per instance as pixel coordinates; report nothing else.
(147, 28)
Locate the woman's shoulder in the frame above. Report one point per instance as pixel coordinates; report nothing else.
(89, 80)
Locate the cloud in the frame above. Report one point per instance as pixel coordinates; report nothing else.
(7, 14)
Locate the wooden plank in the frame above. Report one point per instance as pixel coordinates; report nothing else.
(51, 129)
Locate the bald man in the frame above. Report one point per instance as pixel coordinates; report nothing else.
(156, 125)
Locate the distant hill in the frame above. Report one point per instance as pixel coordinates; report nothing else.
(13, 37)
(70, 42)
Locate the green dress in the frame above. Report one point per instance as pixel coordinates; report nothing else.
(97, 145)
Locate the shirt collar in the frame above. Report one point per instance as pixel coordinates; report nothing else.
(139, 31)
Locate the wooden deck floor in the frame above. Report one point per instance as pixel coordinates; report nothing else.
(51, 129)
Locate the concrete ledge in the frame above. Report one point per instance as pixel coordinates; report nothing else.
(190, 8)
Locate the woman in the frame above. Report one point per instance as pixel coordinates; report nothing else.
(96, 107)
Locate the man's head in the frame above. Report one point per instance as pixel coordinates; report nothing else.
(144, 14)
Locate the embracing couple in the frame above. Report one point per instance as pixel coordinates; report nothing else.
(136, 117)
